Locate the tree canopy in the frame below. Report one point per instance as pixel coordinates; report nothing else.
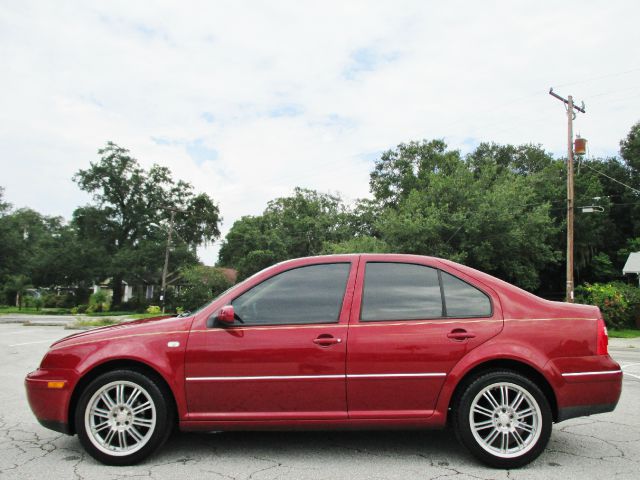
(295, 226)
(121, 235)
(500, 208)
(129, 217)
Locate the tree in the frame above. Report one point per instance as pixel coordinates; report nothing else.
(4, 206)
(16, 286)
(130, 206)
(200, 284)
(405, 169)
(290, 227)
(46, 250)
(8, 248)
(23, 233)
(481, 210)
(251, 234)
(360, 244)
(630, 151)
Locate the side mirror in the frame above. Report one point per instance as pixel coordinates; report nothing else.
(226, 315)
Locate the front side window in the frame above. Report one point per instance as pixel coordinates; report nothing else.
(400, 291)
(311, 294)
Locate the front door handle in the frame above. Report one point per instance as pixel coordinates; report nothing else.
(460, 334)
(325, 340)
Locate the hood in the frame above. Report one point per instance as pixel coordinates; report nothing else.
(135, 326)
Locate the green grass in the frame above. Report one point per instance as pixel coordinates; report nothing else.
(34, 311)
(109, 314)
(624, 333)
(106, 321)
(139, 316)
(100, 322)
(66, 311)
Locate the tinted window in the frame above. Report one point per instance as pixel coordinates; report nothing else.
(400, 291)
(310, 294)
(463, 300)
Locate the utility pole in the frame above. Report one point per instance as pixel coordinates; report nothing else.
(571, 115)
(166, 261)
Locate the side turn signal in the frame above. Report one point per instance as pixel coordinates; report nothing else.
(57, 385)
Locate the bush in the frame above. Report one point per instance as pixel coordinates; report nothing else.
(135, 304)
(82, 308)
(31, 301)
(618, 302)
(153, 309)
(199, 286)
(66, 300)
(51, 301)
(98, 302)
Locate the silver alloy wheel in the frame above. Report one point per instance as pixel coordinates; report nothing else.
(505, 420)
(120, 418)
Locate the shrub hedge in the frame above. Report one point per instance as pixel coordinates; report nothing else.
(619, 302)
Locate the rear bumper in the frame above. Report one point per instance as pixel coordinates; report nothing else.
(584, 410)
(50, 402)
(586, 385)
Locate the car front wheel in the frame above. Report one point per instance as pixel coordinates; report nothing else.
(504, 419)
(122, 417)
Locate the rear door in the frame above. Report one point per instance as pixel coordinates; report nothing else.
(411, 322)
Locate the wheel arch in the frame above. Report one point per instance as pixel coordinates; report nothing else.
(108, 366)
(507, 364)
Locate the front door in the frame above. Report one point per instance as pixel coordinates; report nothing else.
(411, 323)
(287, 360)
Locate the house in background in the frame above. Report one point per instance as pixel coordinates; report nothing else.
(128, 290)
(149, 291)
(632, 266)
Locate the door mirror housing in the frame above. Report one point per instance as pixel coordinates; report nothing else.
(226, 315)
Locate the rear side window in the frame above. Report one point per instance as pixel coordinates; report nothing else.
(464, 300)
(311, 294)
(400, 291)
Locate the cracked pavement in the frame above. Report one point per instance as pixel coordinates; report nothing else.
(601, 446)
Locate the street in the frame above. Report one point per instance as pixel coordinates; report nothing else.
(602, 446)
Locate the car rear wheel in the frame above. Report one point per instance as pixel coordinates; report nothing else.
(122, 417)
(504, 419)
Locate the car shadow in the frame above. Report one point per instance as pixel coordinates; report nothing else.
(437, 446)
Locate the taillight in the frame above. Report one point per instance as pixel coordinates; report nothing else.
(603, 338)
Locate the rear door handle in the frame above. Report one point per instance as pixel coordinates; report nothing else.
(460, 334)
(325, 340)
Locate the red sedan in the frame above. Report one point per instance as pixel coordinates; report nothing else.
(343, 341)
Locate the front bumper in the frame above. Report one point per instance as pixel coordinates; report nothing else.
(49, 393)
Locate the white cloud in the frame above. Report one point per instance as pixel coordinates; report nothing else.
(248, 99)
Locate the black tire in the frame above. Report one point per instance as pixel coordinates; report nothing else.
(156, 425)
(505, 450)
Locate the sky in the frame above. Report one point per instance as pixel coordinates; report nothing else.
(248, 99)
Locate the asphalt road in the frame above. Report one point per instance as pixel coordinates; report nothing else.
(598, 447)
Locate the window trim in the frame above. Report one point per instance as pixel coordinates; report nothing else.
(444, 315)
(250, 325)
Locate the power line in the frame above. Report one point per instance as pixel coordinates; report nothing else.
(632, 89)
(611, 178)
(609, 75)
